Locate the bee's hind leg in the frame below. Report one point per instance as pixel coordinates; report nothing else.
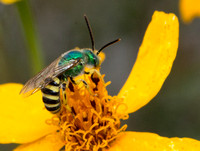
(84, 82)
(64, 95)
(79, 81)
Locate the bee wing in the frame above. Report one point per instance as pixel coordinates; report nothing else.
(45, 76)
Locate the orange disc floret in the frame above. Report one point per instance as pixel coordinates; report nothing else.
(89, 121)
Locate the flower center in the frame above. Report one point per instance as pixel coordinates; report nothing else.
(90, 121)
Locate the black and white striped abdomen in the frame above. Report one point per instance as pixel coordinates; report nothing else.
(51, 96)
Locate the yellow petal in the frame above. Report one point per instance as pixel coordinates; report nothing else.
(8, 1)
(52, 142)
(154, 62)
(189, 9)
(22, 119)
(142, 141)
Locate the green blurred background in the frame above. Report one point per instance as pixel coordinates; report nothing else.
(60, 26)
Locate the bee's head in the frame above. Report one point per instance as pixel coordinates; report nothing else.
(92, 58)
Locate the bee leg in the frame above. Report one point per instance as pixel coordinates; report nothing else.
(73, 81)
(64, 96)
(85, 72)
(84, 82)
(79, 81)
(92, 71)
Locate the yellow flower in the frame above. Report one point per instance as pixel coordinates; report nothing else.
(189, 9)
(93, 120)
(7, 2)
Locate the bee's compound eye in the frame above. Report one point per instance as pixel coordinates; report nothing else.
(96, 61)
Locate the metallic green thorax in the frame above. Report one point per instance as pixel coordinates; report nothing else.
(86, 56)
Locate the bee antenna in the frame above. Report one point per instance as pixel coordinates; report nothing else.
(110, 43)
(90, 31)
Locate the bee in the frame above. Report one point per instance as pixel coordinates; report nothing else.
(54, 77)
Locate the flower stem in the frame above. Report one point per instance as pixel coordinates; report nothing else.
(34, 48)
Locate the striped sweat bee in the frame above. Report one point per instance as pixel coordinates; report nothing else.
(54, 77)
